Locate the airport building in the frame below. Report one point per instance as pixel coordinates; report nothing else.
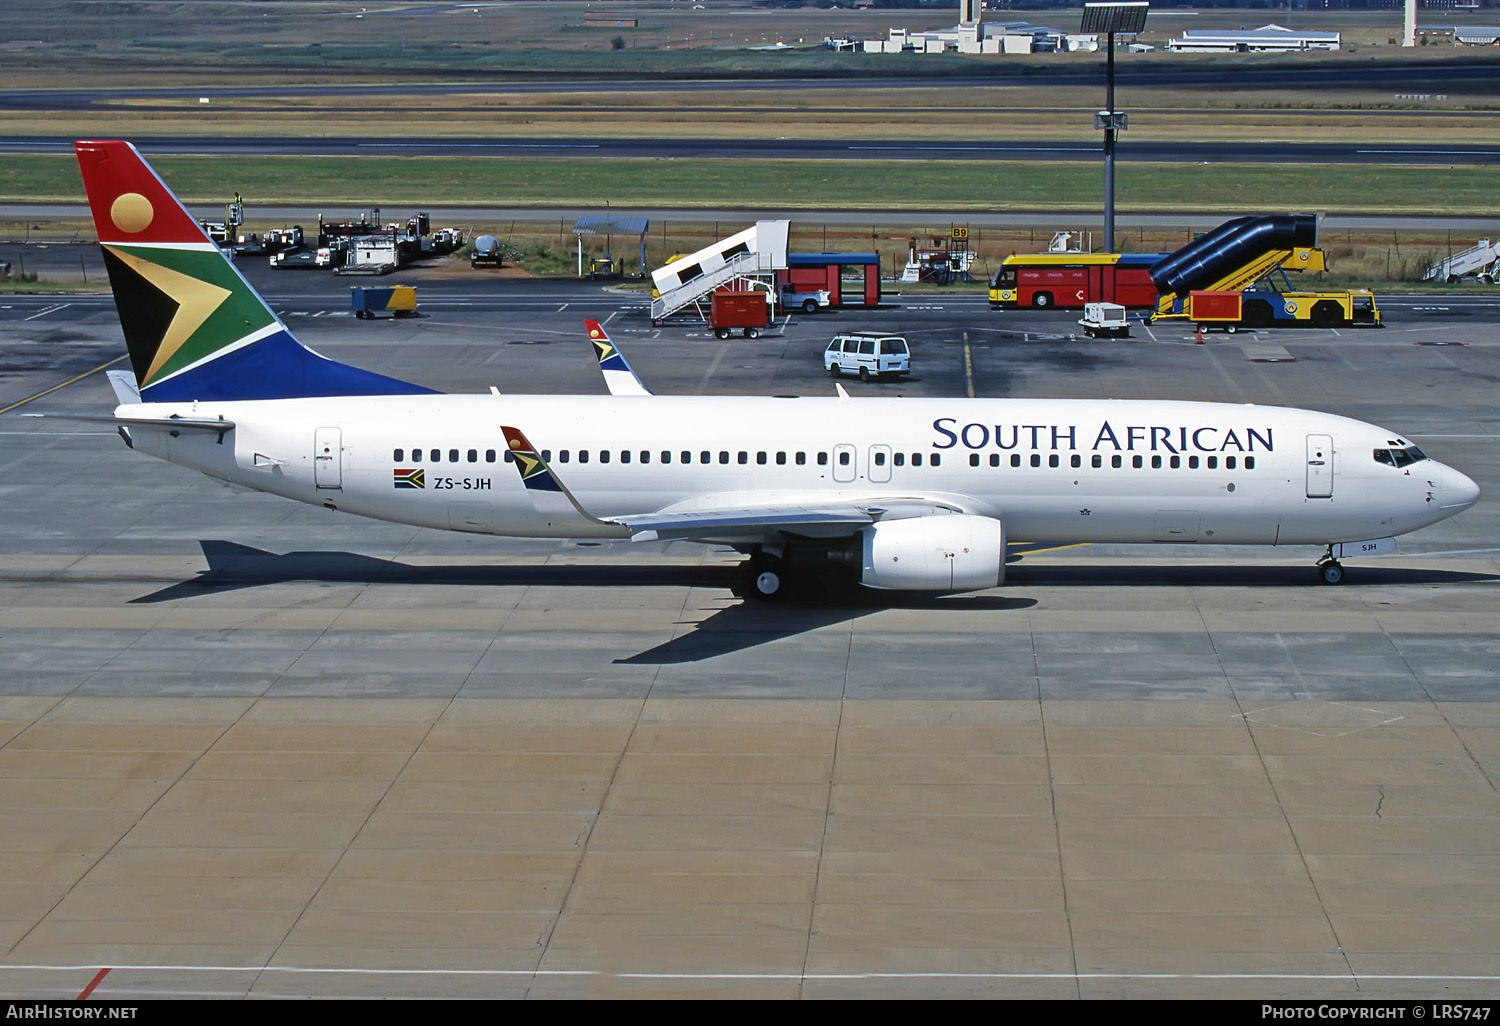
(984, 37)
(1266, 39)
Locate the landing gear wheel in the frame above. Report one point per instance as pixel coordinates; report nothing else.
(1330, 571)
(767, 578)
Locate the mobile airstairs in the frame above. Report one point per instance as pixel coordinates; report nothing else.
(1482, 260)
(747, 260)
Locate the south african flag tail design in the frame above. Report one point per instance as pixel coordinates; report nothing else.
(549, 496)
(618, 376)
(194, 327)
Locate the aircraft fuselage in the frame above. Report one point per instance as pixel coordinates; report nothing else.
(1054, 471)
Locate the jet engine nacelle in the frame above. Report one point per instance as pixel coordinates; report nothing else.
(934, 553)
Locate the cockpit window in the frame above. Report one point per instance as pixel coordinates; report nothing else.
(1400, 457)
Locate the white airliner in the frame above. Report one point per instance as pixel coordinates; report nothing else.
(916, 494)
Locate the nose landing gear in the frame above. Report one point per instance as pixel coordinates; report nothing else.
(1330, 570)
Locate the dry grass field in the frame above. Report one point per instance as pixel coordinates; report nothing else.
(484, 69)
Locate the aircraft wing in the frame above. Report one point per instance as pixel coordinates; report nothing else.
(721, 524)
(751, 523)
(727, 522)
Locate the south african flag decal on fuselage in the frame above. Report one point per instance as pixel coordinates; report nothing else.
(409, 478)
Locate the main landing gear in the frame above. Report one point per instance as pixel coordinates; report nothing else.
(1330, 570)
(767, 577)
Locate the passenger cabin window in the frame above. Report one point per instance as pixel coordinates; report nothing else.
(603, 455)
(416, 455)
(452, 455)
(489, 455)
(822, 459)
(436, 455)
(625, 456)
(473, 455)
(916, 459)
(899, 459)
(1015, 459)
(801, 458)
(843, 459)
(973, 459)
(583, 455)
(994, 459)
(399, 455)
(936, 461)
(562, 457)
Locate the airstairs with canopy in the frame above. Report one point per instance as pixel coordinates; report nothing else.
(749, 259)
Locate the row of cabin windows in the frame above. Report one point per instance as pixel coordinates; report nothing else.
(436, 455)
(704, 456)
(844, 458)
(1137, 462)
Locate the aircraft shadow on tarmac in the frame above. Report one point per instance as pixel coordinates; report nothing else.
(747, 623)
(741, 625)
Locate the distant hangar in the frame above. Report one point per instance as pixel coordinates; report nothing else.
(1266, 39)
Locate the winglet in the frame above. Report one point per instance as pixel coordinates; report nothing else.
(549, 496)
(618, 377)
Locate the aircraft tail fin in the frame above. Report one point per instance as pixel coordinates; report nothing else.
(619, 378)
(195, 328)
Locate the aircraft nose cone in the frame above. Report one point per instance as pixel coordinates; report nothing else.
(1458, 490)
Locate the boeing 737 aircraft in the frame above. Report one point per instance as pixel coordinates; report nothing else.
(915, 494)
